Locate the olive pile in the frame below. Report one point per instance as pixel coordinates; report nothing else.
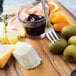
(61, 45)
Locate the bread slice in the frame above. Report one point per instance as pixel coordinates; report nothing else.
(5, 53)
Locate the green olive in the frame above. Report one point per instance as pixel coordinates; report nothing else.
(58, 46)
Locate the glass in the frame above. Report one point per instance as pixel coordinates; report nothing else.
(34, 29)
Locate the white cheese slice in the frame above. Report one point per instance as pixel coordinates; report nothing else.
(26, 55)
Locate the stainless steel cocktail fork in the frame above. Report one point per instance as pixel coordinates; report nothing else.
(49, 30)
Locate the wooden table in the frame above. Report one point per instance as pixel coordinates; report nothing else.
(52, 65)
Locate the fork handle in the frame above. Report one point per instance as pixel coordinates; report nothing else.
(46, 14)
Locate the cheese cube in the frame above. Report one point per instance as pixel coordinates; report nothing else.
(5, 53)
(2, 27)
(12, 37)
(21, 32)
(3, 38)
(26, 55)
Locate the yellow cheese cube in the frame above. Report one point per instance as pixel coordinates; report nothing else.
(5, 53)
(21, 32)
(2, 31)
(12, 37)
(3, 38)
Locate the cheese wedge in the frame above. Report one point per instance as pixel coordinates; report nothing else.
(5, 53)
(3, 38)
(26, 55)
(12, 37)
(21, 32)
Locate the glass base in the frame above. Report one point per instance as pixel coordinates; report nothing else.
(36, 37)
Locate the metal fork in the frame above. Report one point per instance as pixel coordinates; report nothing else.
(49, 30)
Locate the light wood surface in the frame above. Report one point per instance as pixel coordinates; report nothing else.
(52, 65)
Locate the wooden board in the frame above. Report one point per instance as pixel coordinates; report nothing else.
(52, 65)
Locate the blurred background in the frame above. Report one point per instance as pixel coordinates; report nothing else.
(8, 4)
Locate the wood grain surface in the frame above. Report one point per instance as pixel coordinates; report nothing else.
(52, 65)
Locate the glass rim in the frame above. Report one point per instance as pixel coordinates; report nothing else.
(24, 21)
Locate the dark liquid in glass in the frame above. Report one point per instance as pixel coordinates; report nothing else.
(35, 28)
(35, 31)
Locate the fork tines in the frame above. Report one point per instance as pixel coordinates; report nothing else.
(52, 36)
